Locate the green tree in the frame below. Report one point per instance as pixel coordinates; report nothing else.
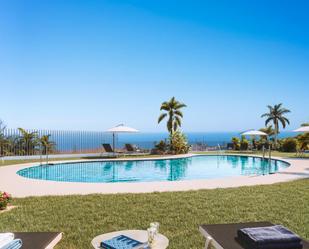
(3, 139)
(305, 124)
(28, 141)
(47, 145)
(276, 115)
(173, 113)
(236, 143)
(179, 143)
(244, 143)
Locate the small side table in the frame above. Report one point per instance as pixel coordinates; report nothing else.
(161, 241)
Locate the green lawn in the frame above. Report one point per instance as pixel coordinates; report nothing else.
(83, 217)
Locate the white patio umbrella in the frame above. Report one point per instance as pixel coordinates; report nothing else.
(302, 129)
(254, 133)
(121, 128)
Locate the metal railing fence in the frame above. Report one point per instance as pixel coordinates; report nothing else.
(16, 142)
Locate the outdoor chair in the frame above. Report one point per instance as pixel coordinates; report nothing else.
(224, 236)
(109, 150)
(131, 149)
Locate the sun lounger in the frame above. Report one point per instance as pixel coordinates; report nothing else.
(131, 148)
(38, 240)
(109, 150)
(224, 236)
(134, 150)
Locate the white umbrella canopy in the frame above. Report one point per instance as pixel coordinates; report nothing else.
(302, 129)
(121, 128)
(254, 133)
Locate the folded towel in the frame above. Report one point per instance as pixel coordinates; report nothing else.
(5, 238)
(271, 234)
(14, 244)
(289, 245)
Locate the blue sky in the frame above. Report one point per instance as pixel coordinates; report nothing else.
(93, 64)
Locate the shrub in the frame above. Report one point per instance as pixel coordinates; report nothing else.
(179, 143)
(235, 143)
(160, 148)
(289, 145)
(5, 199)
(303, 141)
(244, 143)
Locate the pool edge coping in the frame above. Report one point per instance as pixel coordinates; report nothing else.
(23, 187)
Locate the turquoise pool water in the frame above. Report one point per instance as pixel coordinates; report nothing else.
(197, 167)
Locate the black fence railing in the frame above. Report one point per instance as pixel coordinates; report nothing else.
(21, 142)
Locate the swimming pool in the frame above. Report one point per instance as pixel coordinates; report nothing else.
(196, 167)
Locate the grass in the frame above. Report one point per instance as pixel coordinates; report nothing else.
(180, 213)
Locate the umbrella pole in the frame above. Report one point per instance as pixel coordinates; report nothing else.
(114, 142)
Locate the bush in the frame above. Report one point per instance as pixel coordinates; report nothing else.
(244, 143)
(235, 143)
(288, 145)
(179, 143)
(303, 141)
(160, 148)
(5, 199)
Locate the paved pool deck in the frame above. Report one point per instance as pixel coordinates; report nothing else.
(19, 186)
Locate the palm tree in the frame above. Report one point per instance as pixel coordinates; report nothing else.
(172, 110)
(47, 144)
(276, 115)
(29, 141)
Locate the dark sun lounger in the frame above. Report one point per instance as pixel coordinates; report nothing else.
(224, 236)
(38, 240)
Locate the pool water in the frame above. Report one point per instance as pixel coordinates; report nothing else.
(196, 167)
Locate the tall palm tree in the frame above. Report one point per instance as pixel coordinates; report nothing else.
(173, 112)
(276, 114)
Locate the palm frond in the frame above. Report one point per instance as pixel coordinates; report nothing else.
(180, 105)
(268, 120)
(161, 117)
(178, 121)
(265, 115)
(178, 113)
